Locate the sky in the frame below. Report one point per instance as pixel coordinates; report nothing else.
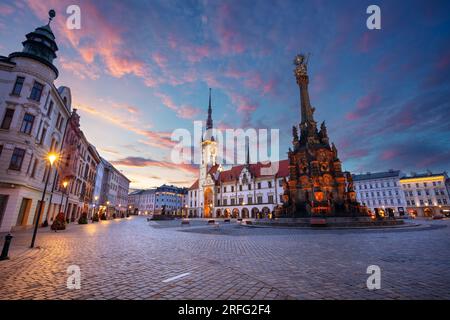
(138, 70)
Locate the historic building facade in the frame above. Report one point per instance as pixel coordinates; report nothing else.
(381, 191)
(317, 185)
(78, 167)
(113, 199)
(243, 191)
(33, 115)
(151, 201)
(427, 194)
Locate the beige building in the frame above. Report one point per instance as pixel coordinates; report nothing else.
(33, 116)
(114, 191)
(427, 194)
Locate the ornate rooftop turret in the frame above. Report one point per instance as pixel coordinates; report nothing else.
(40, 45)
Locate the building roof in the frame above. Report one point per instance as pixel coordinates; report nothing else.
(376, 175)
(194, 185)
(256, 170)
(233, 173)
(425, 176)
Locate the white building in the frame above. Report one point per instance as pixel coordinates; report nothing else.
(151, 201)
(33, 115)
(115, 186)
(242, 191)
(427, 194)
(381, 191)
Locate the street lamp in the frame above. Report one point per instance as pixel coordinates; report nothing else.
(51, 157)
(64, 184)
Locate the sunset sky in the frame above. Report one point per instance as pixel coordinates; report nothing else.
(140, 69)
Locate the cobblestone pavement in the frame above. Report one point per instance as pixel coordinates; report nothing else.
(135, 259)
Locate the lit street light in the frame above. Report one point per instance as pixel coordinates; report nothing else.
(64, 184)
(51, 157)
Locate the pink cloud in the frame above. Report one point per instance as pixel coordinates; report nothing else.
(160, 59)
(182, 111)
(227, 31)
(140, 162)
(98, 37)
(389, 154)
(80, 69)
(363, 105)
(364, 43)
(5, 9)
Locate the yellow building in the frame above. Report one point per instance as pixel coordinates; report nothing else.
(427, 195)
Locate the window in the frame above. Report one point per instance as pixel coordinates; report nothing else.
(281, 198)
(17, 159)
(240, 187)
(27, 123)
(249, 187)
(44, 132)
(50, 109)
(250, 200)
(7, 119)
(260, 199)
(232, 188)
(259, 185)
(18, 86)
(233, 200)
(269, 184)
(36, 91)
(280, 183)
(270, 198)
(241, 201)
(1, 149)
(33, 171)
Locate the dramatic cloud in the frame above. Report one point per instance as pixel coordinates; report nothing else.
(382, 92)
(145, 162)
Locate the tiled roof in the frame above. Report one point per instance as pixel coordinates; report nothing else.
(194, 186)
(233, 173)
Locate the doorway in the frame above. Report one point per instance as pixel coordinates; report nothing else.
(24, 212)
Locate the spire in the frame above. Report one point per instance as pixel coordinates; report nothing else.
(247, 156)
(209, 122)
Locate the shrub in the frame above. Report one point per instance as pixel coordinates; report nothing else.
(83, 218)
(95, 217)
(59, 223)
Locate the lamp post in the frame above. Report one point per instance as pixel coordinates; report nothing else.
(51, 157)
(107, 209)
(64, 184)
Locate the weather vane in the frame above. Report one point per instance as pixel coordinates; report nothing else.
(51, 15)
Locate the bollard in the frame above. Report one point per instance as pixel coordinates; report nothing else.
(5, 250)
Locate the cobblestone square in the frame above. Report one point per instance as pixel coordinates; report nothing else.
(136, 259)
